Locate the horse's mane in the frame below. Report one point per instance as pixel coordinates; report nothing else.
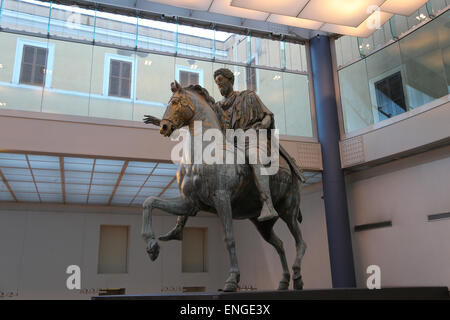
(203, 92)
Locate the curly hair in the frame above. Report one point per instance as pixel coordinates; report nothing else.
(226, 73)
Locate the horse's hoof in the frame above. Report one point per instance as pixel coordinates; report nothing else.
(153, 250)
(283, 285)
(230, 287)
(298, 284)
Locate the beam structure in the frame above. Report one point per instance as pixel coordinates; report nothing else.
(197, 18)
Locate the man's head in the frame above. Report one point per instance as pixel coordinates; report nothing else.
(224, 79)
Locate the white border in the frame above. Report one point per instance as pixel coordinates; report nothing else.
(18, 60)
(106, 73)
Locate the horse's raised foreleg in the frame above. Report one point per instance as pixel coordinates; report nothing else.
(177, 206)
(223, 207)
(265, 228)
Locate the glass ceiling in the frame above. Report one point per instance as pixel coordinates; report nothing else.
(89, 181)
(54, 179)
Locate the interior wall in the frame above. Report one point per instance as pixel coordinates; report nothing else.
(414, 251)
(37, 246)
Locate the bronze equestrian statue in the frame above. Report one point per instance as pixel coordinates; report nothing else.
(232, 191)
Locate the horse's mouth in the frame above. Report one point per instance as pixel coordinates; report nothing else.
(166, 129)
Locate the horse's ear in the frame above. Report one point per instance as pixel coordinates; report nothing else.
(175, 86)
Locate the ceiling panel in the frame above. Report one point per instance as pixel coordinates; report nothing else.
(22, 186)
(402, 7)
(283, 7)
(139, 170)
(78, 160)
(125, 191)
(47, 179)
(349, 13)
(364, 30)
(32, 157)
(165, 172)
(79, 187)
(121, 200)
(3, 187)
(49, 187)
(202, 5)
(44, 165)
(13, 163)
(6, 196)
(53, 198)
(98, 199)
(295, 22)
(76, 198)
(27, 197)
(224, 7)
(101, 190)
(12, 156)
(78, 166)
(147, 192)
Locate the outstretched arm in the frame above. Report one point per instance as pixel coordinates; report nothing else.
(150, 119)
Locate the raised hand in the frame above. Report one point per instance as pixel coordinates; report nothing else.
(151, 119)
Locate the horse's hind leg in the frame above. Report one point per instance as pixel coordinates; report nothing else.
(265, 228)
(294, 228)
(223, 207)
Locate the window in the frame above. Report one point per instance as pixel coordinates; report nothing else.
(120, 79)
(188, 75)
(113, 249)
(251, 77)
(33, 65)
(188, 78)
(194, 250)
(390, 96)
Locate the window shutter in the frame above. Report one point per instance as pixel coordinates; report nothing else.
(120, 79)
(34, 65)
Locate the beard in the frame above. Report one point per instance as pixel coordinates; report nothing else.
(225, 90)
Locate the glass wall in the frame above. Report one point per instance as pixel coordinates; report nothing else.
(77, 61)
(405, 75)
(349, 49)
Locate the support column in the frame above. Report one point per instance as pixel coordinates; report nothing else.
(338, 226)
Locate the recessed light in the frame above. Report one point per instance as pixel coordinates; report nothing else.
(148, 62)
(237, 73)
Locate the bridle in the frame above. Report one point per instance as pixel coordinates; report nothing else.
(186, 104)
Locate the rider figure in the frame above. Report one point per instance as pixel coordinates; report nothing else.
(240, 110)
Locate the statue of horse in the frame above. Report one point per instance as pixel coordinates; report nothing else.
(227, 190)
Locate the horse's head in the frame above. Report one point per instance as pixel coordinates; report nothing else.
(179, 112)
